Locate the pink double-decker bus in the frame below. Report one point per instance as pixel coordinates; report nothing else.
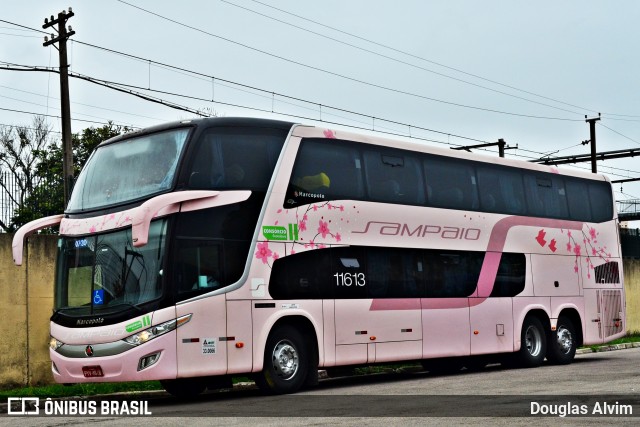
(199, 250)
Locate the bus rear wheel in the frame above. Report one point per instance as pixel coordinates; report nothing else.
(562, 342)
(286, 362)
(533, 344)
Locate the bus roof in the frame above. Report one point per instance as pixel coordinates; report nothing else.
(204, 123)
(304, 130)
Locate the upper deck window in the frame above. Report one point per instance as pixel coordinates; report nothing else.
(332, 169)
(227, 158)
(325, 170)
(129, 169)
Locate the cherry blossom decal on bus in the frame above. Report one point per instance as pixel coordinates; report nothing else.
(311, 230)
(586, 249)
(328, 133)
(96, 224)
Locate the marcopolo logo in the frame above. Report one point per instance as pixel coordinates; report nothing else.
(275, 232)
(95, 321)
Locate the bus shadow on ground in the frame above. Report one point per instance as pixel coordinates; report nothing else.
(339, 379)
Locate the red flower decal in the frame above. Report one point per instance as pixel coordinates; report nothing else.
(263, 252)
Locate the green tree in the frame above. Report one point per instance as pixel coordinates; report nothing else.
(19, 148)
(47, 197)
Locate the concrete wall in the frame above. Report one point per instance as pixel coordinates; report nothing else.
(26, 301)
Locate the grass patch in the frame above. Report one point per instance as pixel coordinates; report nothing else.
(624, 340)
(631, 337)
(59, 390)
(90, 389)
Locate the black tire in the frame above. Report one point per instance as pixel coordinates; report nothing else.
(286, 362)
(533, 345)
(562, 342)
(184, 388)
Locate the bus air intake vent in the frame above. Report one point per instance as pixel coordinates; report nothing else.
(607, 273)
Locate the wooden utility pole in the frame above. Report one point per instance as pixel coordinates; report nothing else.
(67, 149)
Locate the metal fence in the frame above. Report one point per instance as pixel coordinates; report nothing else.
(630, 242)
(23, 199)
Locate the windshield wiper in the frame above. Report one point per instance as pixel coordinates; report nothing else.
(134, 256)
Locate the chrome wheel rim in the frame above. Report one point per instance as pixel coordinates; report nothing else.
(533, 341)
(285, 360)
(565, 339)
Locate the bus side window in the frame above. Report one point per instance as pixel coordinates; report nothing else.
(452, 274)
(393, 177)
(198, 267)
(489, 185)
(546, 196)
(512, 191)
(325, 169)
(349, 269)
(579, 203)
(228, 158)
(601, 201)
(510, 280)
(300, 276)
(451, 184)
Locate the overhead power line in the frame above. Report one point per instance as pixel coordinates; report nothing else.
(59, 117)
(23, 26)
(615, 131)
(349, 78)
(113, 85)
(404, 52)
(397, 60)
(27, 127)
(126, 88)
(80, 103)
(264, 91)
(387, 47)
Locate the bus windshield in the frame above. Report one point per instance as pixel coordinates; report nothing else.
(128, 170)
(102, 271)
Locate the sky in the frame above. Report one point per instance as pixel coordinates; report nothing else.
(473, 72)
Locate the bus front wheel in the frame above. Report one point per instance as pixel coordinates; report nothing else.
(286, 361)
(562, 342)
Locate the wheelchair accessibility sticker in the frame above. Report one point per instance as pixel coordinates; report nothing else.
(98, 297)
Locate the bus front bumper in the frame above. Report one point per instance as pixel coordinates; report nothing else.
(153, 360)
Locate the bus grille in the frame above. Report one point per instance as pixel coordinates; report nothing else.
(611, 312)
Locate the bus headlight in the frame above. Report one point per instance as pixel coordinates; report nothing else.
(54, 344)
(156, 331)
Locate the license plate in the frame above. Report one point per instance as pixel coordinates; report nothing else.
(92, 371)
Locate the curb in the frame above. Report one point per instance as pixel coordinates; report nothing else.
(604, 348)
